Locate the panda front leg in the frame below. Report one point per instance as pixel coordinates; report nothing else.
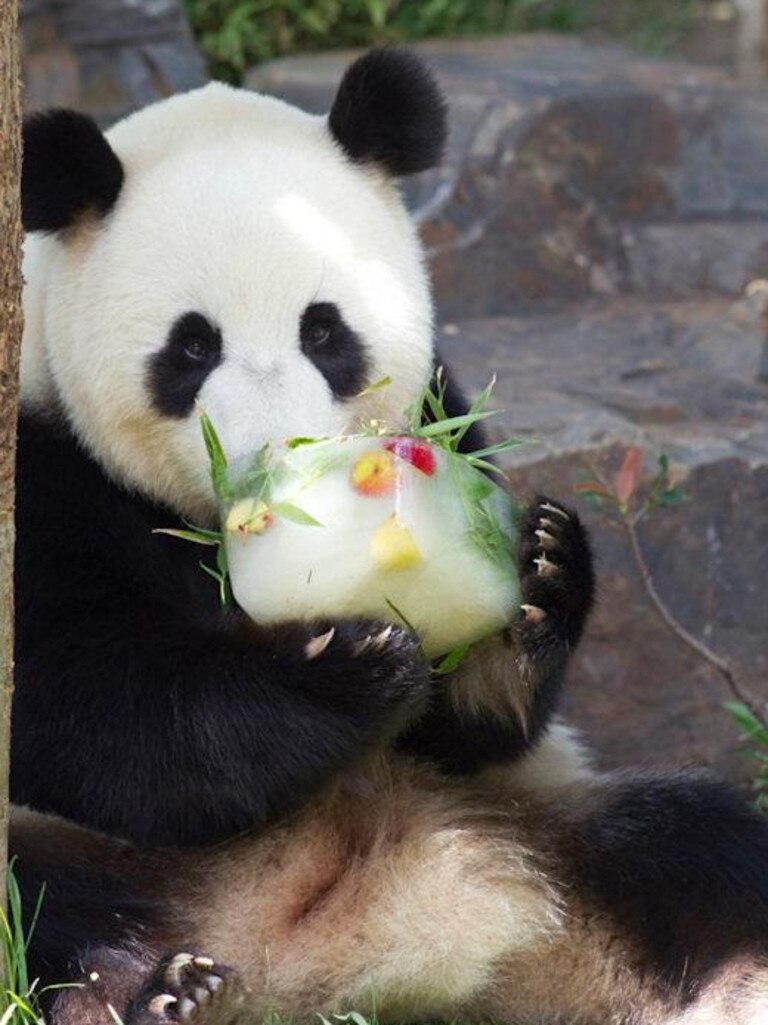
(498, 703)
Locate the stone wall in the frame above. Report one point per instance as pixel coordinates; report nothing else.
(107, 57)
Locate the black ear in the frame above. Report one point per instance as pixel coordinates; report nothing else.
(389, 111)
(68, 168)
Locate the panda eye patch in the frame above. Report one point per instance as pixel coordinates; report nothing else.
(176, 373)
(334, 348)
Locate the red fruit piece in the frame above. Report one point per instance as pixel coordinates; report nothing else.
(418, 453)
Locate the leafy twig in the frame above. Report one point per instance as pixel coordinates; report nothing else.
(701, 649)
(621, 493)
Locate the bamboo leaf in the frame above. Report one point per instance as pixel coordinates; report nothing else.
(400, 615)
(292, 512)
(485, 466)
(452, 423)
(216, 456)
(477, 407)
(494, 450)
(451, 661)
(383, 382)
(188, 535)
(298, 442)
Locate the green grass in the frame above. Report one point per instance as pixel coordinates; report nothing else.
(235, 34)
(18, 993)
(756, 736)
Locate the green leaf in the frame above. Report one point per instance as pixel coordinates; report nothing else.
(298, 442)
(502, 446)
(195, 536)
(451, 661)
(216, 456)
(672, 497)
(383, 382)
(452, 423)
(477, 408)
(748, 721)
(292, 512)
(400, 615)
(485, 466)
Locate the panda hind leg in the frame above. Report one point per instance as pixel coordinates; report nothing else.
(189, 988)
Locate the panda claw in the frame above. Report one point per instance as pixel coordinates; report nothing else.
(362, 646)
(546, 540)
(204, 963)
(533, 614)
(548, 507)
(544, 567)
(214, 983)
(159, 1005)
(176, 966)
(382, 639)
(316, 647)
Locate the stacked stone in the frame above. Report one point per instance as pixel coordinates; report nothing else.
(107, 57)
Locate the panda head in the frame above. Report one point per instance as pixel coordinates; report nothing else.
(225, 251)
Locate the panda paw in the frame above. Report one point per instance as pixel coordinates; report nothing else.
(377, 664)
(189, 989)
(557, 582)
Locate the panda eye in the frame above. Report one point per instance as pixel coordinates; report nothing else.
(196, 350)
(317, 334)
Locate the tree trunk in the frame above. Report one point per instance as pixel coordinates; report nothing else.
(10, 343)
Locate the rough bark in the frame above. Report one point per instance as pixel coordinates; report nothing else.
(10, 339)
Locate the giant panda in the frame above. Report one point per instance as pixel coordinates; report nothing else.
(233, 820)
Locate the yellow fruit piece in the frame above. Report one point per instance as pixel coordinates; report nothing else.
(393, 547)
(374, 473)
(248, 516)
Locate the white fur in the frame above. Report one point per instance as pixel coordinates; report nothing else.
(244, 209)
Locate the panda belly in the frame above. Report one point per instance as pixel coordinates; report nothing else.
(394, 891)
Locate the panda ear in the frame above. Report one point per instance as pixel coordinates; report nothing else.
(68, 168)
(389, 111)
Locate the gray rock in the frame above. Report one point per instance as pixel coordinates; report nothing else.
(577, 170)
(106, 57)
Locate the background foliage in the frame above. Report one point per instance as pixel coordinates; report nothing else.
(235, 34)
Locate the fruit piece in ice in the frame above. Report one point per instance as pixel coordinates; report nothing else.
(248, 516)
(393, 547)
(417, 453)
(374, 473)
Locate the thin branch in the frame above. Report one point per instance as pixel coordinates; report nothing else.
(701, 649)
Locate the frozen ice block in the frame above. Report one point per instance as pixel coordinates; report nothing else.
(385, 527)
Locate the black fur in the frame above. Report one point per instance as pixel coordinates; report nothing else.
(87, 921)
(177, 372)
(334, 348)
(680, 864)
(144, 710)
(389, 111)
(68, 169)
